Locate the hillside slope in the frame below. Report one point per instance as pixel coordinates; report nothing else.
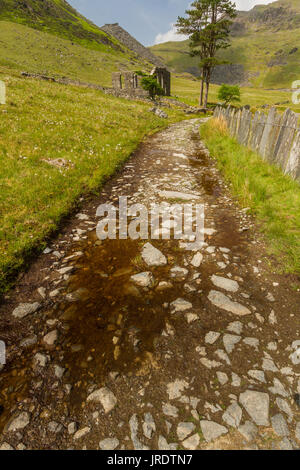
(51, 38)
(265, 48)
(56, 17)
(26, 49)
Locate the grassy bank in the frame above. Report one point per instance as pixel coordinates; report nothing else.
(273, 197)
(45, 121)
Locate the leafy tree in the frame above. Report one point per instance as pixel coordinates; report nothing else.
(208, 26)
(150, 84)
(229, 93)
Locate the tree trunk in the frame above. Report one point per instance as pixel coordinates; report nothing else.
(201, 92)
(206, 94)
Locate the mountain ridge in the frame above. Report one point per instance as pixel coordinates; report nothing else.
(116, 31)
(262, 53)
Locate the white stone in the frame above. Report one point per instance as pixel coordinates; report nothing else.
(25, 309)
(152, 256)
(176, 388)
(143, 279)
(233, 415)
(40, 360)
(223, 356)
(177, 271)
(224, 283)
(230, 341)
(6, 446)
(184, 430)
(81, 433)
(285, 407)
(222, 301)
(51, 338)
(257, 375)
(170, 410)
(248, 430)
(180, 305)
(82, 217)
(197, 260)
(59, 371)
(212, 430)
(253, 342)
(235, 380)
(149, 426)
(295, 357)
(210, 364)
(191, 443)
(235, 327)
(109, 444)
(42, 292)
(222, 265)
(178, 195)
(163, 444)
(66, 270)
(222, 378)
(272, 318)
(297, 432)
(257, 406)
(18, 422)
(72, 427)
(191, 317)
(279, 425)
(212, 337)
(278, 388)
(268, 364)
(105, 397)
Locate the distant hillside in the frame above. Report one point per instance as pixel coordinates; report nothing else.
(265, 48)
(55, 17)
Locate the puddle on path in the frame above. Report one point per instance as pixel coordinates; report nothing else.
(112, 326)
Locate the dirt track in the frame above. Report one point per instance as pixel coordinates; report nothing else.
(104, 362)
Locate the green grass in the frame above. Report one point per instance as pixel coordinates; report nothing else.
(187, 88)
(26, 49)
(272, 196)
(44, 120)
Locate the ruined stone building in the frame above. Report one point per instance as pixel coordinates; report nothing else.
(130, 82)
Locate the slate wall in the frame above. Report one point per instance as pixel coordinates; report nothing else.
(275, 137)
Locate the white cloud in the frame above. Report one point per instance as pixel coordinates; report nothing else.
(248, 4)
(170, 35)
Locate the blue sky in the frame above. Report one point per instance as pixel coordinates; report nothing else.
(150, 21)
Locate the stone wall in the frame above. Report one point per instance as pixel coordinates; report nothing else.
(275, 137)
(130, 82)
(163, 77)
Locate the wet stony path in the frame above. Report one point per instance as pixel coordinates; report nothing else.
(125, 344)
